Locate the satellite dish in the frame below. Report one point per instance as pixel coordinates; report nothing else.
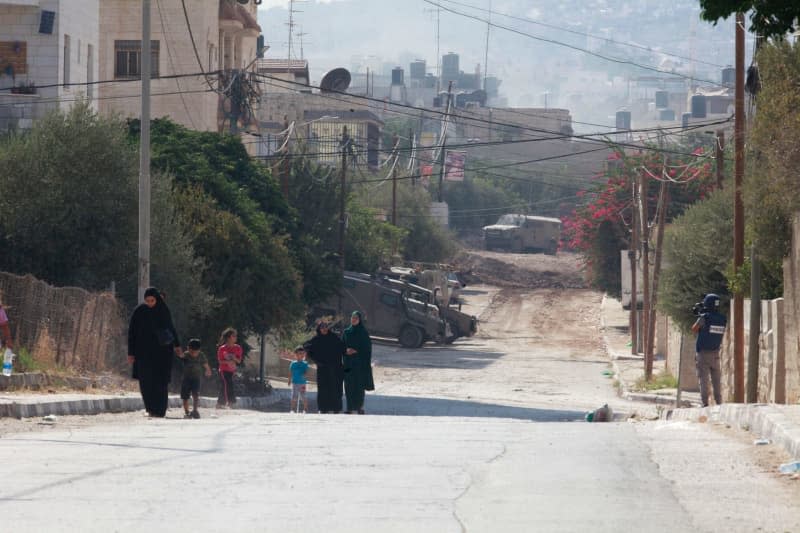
(337, 80)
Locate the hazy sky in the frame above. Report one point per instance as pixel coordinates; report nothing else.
(384, 33)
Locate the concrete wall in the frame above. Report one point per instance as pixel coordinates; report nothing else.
(122, 20)
(44, 57)
(772, 342)
(678, 356)
(791, 293)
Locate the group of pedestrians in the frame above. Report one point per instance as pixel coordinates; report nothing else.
(341, 361)
(152, 340)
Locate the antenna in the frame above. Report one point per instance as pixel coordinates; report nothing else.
(291, 24)
(486, 53)
(438, 12)
(300, 35)
(337, 80)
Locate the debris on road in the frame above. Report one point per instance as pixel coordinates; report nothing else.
(790, 468)
(762, 442)
(602, 414)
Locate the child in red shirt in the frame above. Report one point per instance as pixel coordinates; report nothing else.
(229, 355)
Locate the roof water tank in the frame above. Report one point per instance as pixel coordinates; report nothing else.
(623, 120)
(685, 119)
(729, 76)
(397, 76)
(698, 106)
(662, 99)
(666, 114)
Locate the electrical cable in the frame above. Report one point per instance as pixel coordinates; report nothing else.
(194, 45)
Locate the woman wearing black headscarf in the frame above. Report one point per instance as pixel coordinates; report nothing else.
(151, 341)
(326, 349)
(357, 363)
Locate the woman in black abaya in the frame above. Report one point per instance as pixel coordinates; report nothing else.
(327, 350)
(151, 341)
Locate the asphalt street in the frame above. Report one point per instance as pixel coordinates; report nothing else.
(482, 436)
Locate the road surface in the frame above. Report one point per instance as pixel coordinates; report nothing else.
(485, 435)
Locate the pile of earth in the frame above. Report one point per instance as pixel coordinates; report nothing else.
(534, 271)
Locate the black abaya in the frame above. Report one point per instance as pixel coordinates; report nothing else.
(153, 362)
(327, 350)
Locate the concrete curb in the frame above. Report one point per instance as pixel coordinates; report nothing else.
(762, 420)
(613, 356)
(120, 404)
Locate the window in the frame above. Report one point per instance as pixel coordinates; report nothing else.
(66, 59)
(128, 59)
(389, 299)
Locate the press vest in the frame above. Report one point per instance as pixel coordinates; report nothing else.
(710, 335)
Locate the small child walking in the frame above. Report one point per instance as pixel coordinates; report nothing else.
(297, 379)
(195, 365)
(229, 354)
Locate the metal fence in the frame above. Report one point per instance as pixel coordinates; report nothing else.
(67, 327)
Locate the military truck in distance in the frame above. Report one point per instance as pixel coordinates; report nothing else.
(522, 233)
(390, 309)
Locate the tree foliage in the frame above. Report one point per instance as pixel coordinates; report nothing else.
(698, 249)
(599, 228)
(769, 18)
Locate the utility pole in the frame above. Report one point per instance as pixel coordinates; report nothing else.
(720, 157)
(663, 203)
(486, 52)
(412, 162)
(395, 140)
(645, 236)
(633, 253)
(738, 216)
(144, 157)
(755, 326)
(444, 139)
(345, 145)
(284, 164)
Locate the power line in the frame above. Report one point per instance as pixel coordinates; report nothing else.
(166, 32)
(567, 45)
(194, 45)
(121, 80)
(583, 34)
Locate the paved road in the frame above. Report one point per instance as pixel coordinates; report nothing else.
(477, 437)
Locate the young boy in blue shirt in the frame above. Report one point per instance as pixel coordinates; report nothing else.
(297, 379)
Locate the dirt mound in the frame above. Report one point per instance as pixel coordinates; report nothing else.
(535, 271)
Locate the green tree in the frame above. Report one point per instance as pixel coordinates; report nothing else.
(769, 18)
(67, 198)
(698, 249)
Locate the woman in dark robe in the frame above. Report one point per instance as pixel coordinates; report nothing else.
(326, 349)
(151, 341)
(357, 363)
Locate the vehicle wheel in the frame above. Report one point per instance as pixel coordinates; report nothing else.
(454, 333)
(411, 336)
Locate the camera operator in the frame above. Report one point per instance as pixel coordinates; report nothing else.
(710, 327)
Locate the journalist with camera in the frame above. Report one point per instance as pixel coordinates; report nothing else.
(709, 327)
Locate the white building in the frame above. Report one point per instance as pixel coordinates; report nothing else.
(45, 45)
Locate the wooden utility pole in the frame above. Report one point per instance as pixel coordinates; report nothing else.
(394, 188)
(284, 167)
(755, 326)
(444, 139)
(345, 146)
(633, 253)
(663, 204)
(738, 216)
(720, 157)
(144, 157)
(645, 240)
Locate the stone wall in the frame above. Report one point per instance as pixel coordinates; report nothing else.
(678, 355)
(791, 293)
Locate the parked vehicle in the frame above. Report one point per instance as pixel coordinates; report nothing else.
(521, 233)
(391, 310)
(441, 288)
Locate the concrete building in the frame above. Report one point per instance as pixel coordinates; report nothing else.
(282, 75)
(45, 45)
(223, 38)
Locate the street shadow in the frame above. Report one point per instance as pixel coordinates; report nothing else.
(437, 357)
(473, 292)
(378, 404)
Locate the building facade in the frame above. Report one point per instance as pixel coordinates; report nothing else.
(48, 54)
(53, 52)
(220, 35)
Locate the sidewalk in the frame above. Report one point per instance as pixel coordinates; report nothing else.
(31, 404)
(778, 423)
(629, 368)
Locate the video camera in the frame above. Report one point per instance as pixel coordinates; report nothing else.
(698, 308)
(708, 303)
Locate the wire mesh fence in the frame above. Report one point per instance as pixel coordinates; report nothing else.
(66, 327)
